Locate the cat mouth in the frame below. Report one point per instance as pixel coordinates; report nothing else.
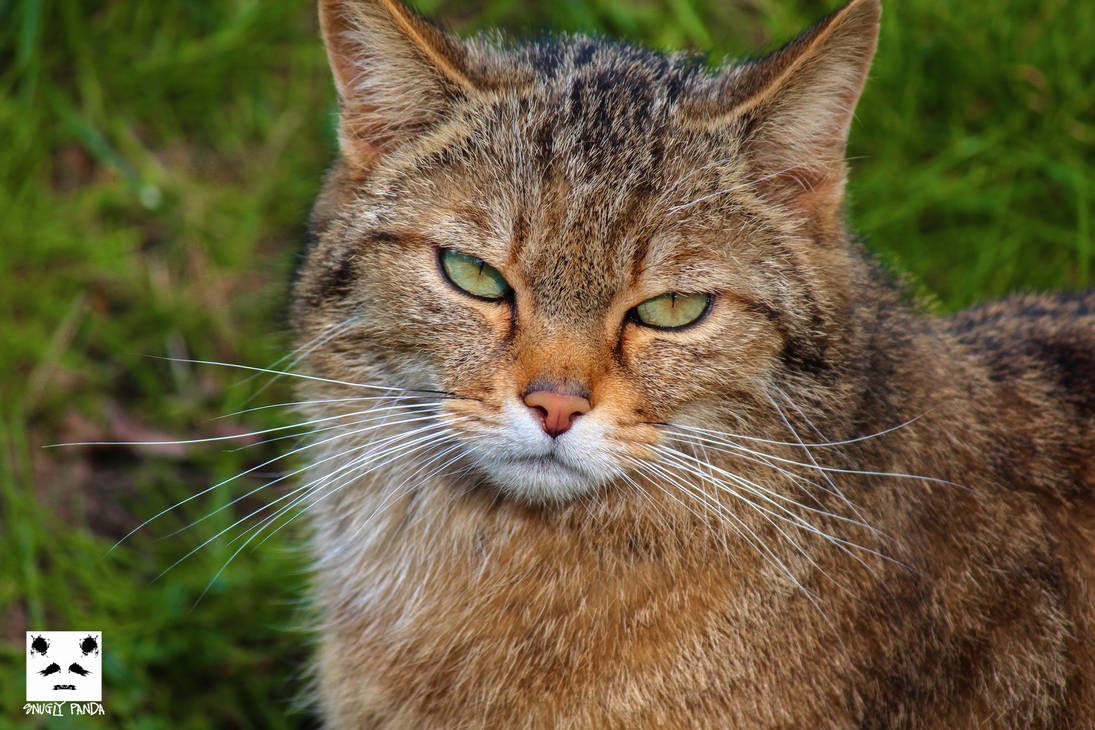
(539, 478)
(549, 461)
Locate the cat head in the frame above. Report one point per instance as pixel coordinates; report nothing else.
(574, 241)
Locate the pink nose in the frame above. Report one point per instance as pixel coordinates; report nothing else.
(556, 411)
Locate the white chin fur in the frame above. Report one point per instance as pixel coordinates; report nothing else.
(527, 464)
(545, 480)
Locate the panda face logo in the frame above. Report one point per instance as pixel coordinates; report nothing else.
(64, 666)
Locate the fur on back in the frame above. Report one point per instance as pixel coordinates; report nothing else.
(815, 506)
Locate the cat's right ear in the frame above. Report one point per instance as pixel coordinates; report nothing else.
(395, 73)
(791, 110)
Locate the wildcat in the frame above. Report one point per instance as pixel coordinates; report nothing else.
(622, 428)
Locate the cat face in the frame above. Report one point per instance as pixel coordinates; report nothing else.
(574, 242)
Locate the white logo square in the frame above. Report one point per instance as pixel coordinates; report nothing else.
(64, 666)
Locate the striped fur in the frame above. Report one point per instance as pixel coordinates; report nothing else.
(815, 508)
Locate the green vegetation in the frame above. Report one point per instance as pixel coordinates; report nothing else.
(159, 164)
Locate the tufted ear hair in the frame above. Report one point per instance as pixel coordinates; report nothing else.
(396, 74)
(792, 109)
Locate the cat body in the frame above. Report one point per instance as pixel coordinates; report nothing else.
(810, 505)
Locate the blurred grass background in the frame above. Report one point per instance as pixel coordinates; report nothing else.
(158, 164)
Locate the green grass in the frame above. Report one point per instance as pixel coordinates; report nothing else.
(158, 164)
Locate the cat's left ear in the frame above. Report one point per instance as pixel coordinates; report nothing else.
(396, 74)
(793, 108)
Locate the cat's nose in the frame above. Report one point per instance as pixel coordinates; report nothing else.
(556, 411)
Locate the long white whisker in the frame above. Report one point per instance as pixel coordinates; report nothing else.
(762, 492)
(797, 479)
(325, 336)
(299, 353)
(347, 476)
(646, 495)
(266, 506)
(811, 444)
(410, 409)
(226, 481)
(333, 381)
(784, 514)
(792, 518)
(210, 439)
(367, 461)
(303, 350)
(752, 538)
(321, 400)
(404, 486)
(767, 554)
(809, 454)
(282, 511)
(767, 515)
(704, 443)
(307, 467)
(740, 448)
(653, 471)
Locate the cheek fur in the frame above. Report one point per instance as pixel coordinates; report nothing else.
(731, 351)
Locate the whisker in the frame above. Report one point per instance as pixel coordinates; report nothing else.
(368, 459)
(863, 472)
(646, 495)
(798, 479)
(767, 515)
(653, 471)
(760, 491)
(767, 554)
(267, 522)
(310, 465)
(752, 538)
(349, 469)
(650, 470)
(312, 377)
(809, 454)
(344, 479)
(324, 335)
(319, 401)
(222, 483)
(266, 506)
(210, 439)
(400, 490)
(412, 409)
(793, 519)
(788, 443)
(304, 350)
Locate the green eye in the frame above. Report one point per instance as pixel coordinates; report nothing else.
(672, 311)
(473, 275)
